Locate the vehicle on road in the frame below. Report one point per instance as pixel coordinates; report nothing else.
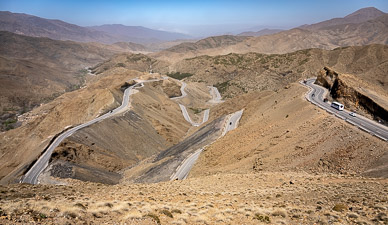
(337, 106)
(352, 114)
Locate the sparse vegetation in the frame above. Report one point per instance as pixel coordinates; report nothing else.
(262, 218)
(196, 110)
(154, 217)
(340, 207)
(179, 76)
(222, 87)
(120, 65)
(176, 211)
(167, 213)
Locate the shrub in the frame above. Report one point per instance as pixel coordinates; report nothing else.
(167, 213)
(222, 87)
(176, 211)
(179, 76)
(340, 207)
(120, 65)
(154, 217)
(262, 218)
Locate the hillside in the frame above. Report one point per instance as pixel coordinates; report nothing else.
(282, 132)
(44, 122)
(235, 74)
(34, 26)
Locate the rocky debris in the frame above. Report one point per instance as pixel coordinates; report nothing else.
(61, 170)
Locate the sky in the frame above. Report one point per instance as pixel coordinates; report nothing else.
(196, 18)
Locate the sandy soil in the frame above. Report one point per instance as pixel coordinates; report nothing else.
(267, 197)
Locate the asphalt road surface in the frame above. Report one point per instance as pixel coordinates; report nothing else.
(316, 96)
(216, 96)
(232, 122)
(187, 116)
(32, 175)
(183, 86)
(184, 168)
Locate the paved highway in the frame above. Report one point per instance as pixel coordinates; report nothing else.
(232, 122)
(316, 96)
(187, 116)
(216, 96)
(32, 175)
(184, 168)
(183, 86)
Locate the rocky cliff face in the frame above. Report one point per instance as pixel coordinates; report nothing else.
(355, 93)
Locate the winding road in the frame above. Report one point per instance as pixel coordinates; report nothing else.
(316, 96)
(184, 168)
(32, 175)
(216, 98)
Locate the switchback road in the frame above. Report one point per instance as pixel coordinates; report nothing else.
(32, 175)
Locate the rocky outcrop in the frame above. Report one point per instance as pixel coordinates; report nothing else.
(342, 88)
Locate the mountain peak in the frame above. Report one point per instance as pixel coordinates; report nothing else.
(369, 12)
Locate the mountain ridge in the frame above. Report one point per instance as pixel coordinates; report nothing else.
(30, 25)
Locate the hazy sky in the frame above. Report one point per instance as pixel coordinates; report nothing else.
(200, 17)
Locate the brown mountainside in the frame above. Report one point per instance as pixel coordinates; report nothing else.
(35, 70)
(34, 26)
(238, 73)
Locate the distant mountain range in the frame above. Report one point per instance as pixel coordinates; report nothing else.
(260, 32)
(138, 34)
(34, 26)
(363, 27)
